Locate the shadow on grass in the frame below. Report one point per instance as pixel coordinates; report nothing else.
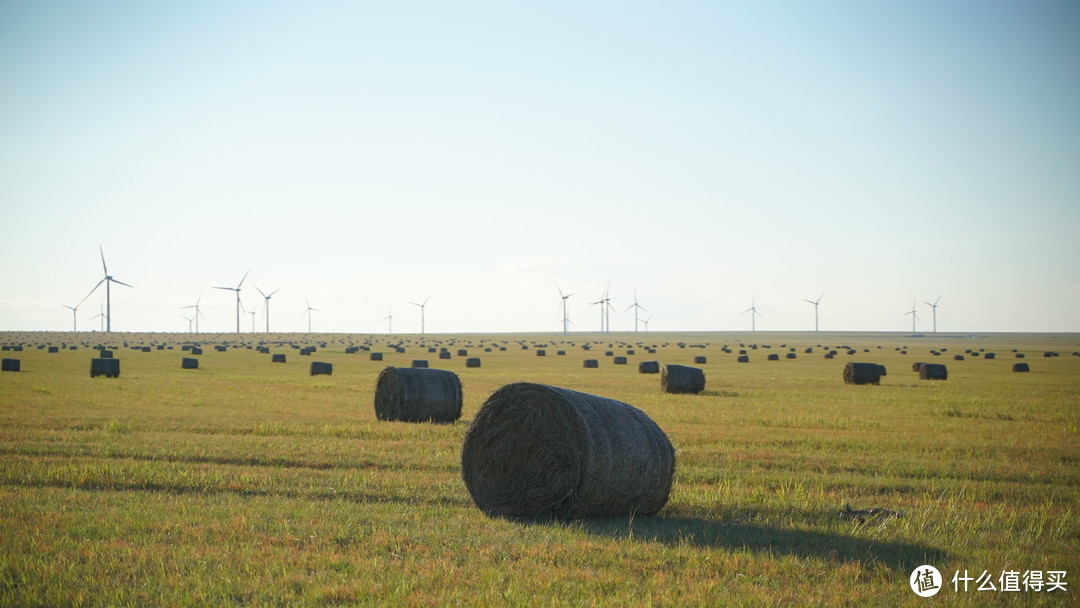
(735, 536)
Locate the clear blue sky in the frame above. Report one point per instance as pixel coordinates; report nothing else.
(365, 155)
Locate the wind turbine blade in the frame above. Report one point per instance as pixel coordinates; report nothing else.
(560, 289)
(103, 266)
(260, 291)
(229, 288)
(809, 301)
(425, 301)
(242, 280)
(272, 293)
(122, 283)
(93, 290)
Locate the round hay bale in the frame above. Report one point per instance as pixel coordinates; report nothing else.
(862, 373)
(472, 362)
(110, 368)
(375, 356)
(462, 352)
(933, 371)
(682, 379)
(882, 371)
(774, 357)
(1019, 355)
(54, 350)
(743, 359)
(649, 367)
(619, 361)
(277, 358)
(319, 368)
(958, 357)
(917, 366)
(538, 451)
(791, 356)
(105, 353)
(989, 356)
(591, 363)
(196, 350)
(420, 363)
(1021, 367)
(189, 363)
(11, 365)
(541, 353)
(700, 360)
(444, 354)
(417, 395)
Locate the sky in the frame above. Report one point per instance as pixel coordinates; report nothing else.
(708, 156)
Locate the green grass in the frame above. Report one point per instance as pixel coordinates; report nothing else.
(252, 484)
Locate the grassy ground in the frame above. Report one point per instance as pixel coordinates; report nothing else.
(252, 483)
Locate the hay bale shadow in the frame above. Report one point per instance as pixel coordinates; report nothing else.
(735, 535)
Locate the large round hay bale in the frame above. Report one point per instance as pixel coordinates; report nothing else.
(538, 451)
(189, 363)
(591, 363)
(743, 359)
(700, 360)
(862, 373)
(989, 356)
(933, 371)
(375, 356)
(277, 358)
(417, 395)
(11, 365)
(917, 366)
(619, 361)
(649, 367)
(420, 363)
(958, 357)
(472, 362)
(321, 368)
(1021, 367)
(110, 368)
(682, 379)
(774, 357)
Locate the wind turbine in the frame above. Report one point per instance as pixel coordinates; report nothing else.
(565, 318)
(390, 319)
(237, 290)
(636, 306)
(267, 298)
(252, 313)
(74, 316)
(100, 315)
(188, 322)
(605, 308)
(754, 313)
(421, 313)
(108, 280)
(198, 313)
(646, 322)
(307, 312)
(815, 303)
(914, 315)
(934, 308)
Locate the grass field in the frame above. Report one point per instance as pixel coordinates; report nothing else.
(255, 484)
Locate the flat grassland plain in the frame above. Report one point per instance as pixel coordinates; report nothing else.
(253, 483)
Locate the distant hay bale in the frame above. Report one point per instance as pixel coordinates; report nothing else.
(700, 360)
(1021, 367)
(417, 395)
(1021, 355)
(375, 356)
(319, 368)
(591, 363)
(54, 349)
(862, 373)
(560, 353)
(110, 368)
(278, 358)
(774, 357)
(791, 356)
(541, 353)
(105, 353)
(419, 363)
(196, 350)
(682, 379)
(444, 354)
(917, 366)
(472, 362)
(990, 356)
(462, 352)
(743, 359)
(649, 367)
(189, 363)
(619, 361)
(11, 365)
(933, 371)
(958, 357)
(540, 452)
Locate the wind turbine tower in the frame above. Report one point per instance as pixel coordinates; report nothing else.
(565, 318)
(389, 318)
(636, 306)
(753, 313)
(198, 313)
(422, 306)
(914, 315)
(74, 316)
(816, 303)
(108, 280)
(237, 290)
(934, 308)
(267, 310)
(308, 312)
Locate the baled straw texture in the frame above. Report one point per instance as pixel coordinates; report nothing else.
(862, 373)
(417, 395)
(538, 451)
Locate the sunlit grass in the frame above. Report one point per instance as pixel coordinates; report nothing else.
(252, 483)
